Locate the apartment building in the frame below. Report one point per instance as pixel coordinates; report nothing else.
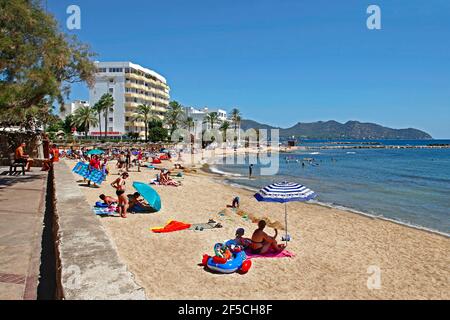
(131, 85)
(70, 108)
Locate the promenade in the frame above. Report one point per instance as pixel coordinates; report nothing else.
(22, 207)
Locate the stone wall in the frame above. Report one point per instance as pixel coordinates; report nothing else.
(88, 264)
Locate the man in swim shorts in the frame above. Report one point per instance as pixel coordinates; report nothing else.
(21, 157)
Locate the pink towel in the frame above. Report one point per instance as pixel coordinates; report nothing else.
(282, 254)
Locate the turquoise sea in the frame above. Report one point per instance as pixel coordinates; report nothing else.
(410, 186)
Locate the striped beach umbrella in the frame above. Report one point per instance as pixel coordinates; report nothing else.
(284, 192)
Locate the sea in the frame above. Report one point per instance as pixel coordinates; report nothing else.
(406, 185)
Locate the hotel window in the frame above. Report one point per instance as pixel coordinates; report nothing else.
(110, 129)
(111, 119)
(111, 90)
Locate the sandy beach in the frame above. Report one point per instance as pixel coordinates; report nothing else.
(333, 248)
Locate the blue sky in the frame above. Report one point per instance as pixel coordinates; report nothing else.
(284, 61)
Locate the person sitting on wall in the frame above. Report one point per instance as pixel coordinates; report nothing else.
(21, 157)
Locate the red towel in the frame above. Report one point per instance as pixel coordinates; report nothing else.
(172, 226)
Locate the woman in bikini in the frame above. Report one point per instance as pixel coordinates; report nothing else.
(263, 243)
(119, 185)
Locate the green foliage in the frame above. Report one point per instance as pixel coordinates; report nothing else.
(144, 114)
(156, 131)
(212, 118)
(38, 63)
(105, 103)
(85, 117)
(133, 135)
(174, 116)
(236, 118)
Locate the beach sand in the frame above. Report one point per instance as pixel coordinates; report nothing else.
(334, 249)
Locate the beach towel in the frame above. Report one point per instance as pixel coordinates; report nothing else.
(172, 226)
(110, 211)
(282, 254)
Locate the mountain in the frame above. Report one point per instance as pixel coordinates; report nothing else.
(336, 130)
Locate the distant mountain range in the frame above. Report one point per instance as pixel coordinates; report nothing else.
(335, 130)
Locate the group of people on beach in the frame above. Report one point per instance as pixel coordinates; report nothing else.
(260, 242)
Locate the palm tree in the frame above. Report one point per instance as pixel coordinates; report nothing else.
(144, 114)
(85, 117)
(189, 123)
(224, 127)
(211, 118)
(236, 118)
(174, 115)
(98, 107)
(106, 101)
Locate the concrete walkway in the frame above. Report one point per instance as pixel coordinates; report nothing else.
(22, 207)
(90, 266)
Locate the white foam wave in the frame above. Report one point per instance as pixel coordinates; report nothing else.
(223, 173)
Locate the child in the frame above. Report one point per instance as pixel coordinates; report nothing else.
(235, 203)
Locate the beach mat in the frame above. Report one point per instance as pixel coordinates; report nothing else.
(110, 212)
(279, 255)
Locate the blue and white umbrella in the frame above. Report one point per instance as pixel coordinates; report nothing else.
(284, 192)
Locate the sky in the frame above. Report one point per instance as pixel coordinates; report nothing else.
(284, 61)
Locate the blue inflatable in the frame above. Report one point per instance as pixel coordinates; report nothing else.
(93, 175)
(229, 258)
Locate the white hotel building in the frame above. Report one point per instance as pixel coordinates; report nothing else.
(131, 85)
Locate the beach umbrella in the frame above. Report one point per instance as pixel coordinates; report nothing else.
(149, 194)
(284, 192)
(95, 152)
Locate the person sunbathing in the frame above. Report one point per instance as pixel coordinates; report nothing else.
(108, 200)
(262, 243)
(165, 180)
(179, 166)
(137, 205)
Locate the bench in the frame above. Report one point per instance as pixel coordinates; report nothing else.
(14, 165)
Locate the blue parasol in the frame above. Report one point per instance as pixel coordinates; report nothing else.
(149, 194)
(95, 152)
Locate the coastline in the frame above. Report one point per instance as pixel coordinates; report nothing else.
(225, 175)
